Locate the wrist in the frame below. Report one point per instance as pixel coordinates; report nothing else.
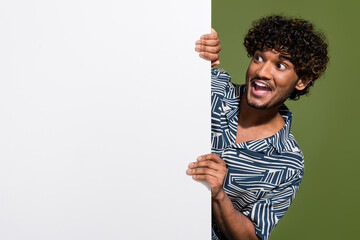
(220, 196)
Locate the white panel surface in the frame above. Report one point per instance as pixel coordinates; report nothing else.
(102, 106)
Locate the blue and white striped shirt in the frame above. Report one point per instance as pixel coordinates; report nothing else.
(264, 174)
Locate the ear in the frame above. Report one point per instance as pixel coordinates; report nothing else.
(302, 83)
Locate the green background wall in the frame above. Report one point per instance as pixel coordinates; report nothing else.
(326, 122)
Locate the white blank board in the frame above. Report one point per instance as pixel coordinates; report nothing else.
(102, 106)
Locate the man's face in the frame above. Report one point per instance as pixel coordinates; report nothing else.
(270, 79)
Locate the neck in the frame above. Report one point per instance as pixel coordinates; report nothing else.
(252, 117)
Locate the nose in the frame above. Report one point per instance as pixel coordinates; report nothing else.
(264, 71)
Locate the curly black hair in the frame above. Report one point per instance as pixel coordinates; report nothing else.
(294, 37)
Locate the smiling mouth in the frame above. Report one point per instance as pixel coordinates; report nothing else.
(260, 87)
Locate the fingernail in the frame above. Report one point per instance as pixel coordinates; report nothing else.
(189, 170)
(199, 158)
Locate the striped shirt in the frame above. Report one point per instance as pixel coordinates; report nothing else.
(264, 174)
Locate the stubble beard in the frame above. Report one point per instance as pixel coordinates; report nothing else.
(279, 100)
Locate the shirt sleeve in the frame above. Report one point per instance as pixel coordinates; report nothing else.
(267, 211)
(220, 87)
(220, 79)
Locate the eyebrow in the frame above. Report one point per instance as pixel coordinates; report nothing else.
(281, 56)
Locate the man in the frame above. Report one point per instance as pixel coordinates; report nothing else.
(256, 166)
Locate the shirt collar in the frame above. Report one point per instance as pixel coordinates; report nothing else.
(278, 141)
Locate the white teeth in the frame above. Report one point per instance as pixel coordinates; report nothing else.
(260, 84)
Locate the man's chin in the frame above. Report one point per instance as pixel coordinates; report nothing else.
(261, 104)
(256, 105)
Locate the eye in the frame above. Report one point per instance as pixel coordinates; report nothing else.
(281, 66)
(258, 58)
